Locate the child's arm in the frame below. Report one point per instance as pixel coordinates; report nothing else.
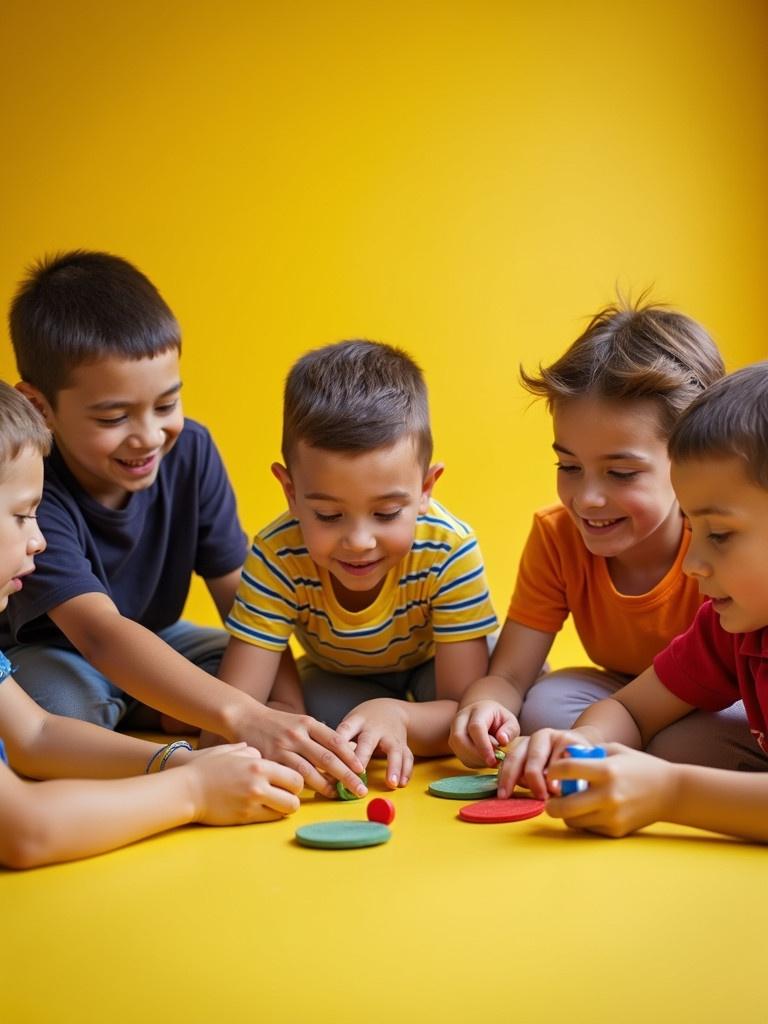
(488, 708)
(632, 716)
(298, 740)
(401, 729)
(222, 590)
(43, 822)
(628, 790)
(44, 746)
(142, 664)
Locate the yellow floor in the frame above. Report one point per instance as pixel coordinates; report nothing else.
(447, 922)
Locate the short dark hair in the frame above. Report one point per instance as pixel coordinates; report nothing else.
(355, 396)
(730, 420)
(21, 426)
(78, 307)
(640, 351)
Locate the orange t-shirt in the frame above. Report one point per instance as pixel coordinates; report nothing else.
(620, 632)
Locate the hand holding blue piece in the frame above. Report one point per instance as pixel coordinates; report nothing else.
(569, 786)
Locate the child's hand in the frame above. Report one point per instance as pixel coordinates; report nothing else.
(381, 725)
(627, 790)
(529, 756)
(233, 785)
(310, 747)
(473, 727)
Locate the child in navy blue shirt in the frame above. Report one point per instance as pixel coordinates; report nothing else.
(135, 500)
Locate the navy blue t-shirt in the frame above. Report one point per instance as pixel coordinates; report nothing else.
(141, 556)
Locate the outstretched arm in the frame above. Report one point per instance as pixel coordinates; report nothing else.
(44, 822)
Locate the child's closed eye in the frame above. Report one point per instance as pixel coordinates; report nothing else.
(625, 474)
(327, 517)
(566, 467)
(387, 517)
(720, 538)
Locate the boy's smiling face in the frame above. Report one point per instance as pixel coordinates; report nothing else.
(728, 555)
(21, 487)
(357, 511)
(115, 421)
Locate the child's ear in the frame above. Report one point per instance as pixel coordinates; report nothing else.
(282, 474)
(433, 474)
(38, 399)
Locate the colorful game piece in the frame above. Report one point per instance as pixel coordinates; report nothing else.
(344, 793)
(570, 786)
(465, 787)
(499, 754)
(491, 812)
(381, 810)
(342, 835)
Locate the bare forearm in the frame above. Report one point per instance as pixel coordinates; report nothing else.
(429, 725)
(734, 803)
(609, 720)
(495, 687)
(66, 748)
(63, 820)
(146, 667)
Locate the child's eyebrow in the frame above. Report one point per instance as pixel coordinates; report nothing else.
(320, 496)
(634, 456)
(121, 403)
(709, 510)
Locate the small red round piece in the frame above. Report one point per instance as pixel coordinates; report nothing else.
(381, 810)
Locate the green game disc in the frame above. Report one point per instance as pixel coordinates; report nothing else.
(465, 787)
(345, 794)
(342, 835)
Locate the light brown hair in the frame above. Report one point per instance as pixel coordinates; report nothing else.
(631, 352)
(21, 426)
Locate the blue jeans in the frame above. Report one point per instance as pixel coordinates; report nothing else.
(64, 683)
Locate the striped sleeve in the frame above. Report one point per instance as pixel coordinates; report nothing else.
(461, 602)
(265, 608)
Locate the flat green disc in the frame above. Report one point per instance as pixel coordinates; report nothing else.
(343, 835)
(345, 794)
(465, 787)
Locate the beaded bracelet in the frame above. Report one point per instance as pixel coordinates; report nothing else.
(6, 668)
(164, 753)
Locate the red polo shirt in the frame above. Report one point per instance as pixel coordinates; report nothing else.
(711, 669)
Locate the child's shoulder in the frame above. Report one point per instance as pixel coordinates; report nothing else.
(437, 521)
(283, 533)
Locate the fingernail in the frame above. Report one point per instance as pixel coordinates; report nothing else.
(393, 780)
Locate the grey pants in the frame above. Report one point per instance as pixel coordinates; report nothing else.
(330, 696)
(715, 739)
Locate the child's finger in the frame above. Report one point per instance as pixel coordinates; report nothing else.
(325, 737)
(405, 776)
(280, 800)
(512, 767)
(367, 741)
(478, 729)
(539, 749)
(394, 765)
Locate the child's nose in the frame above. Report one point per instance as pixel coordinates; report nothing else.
(359, 538)
(592, 495)
(694, 565)
(147, 433)
(36, 543)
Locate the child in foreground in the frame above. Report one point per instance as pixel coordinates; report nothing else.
(41, 822)
(611, 553)
(136, 499)
(383, 587)
(719, 452)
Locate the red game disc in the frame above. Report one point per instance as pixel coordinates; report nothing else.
(491, 812)
(381, 810)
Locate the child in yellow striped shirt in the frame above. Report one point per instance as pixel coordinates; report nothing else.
(383, 587)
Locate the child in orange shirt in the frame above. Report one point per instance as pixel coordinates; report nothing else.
(611, 554)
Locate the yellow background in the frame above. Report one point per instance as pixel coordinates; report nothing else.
(468, 180)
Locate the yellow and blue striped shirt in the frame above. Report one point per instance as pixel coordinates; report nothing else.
(437, 593)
